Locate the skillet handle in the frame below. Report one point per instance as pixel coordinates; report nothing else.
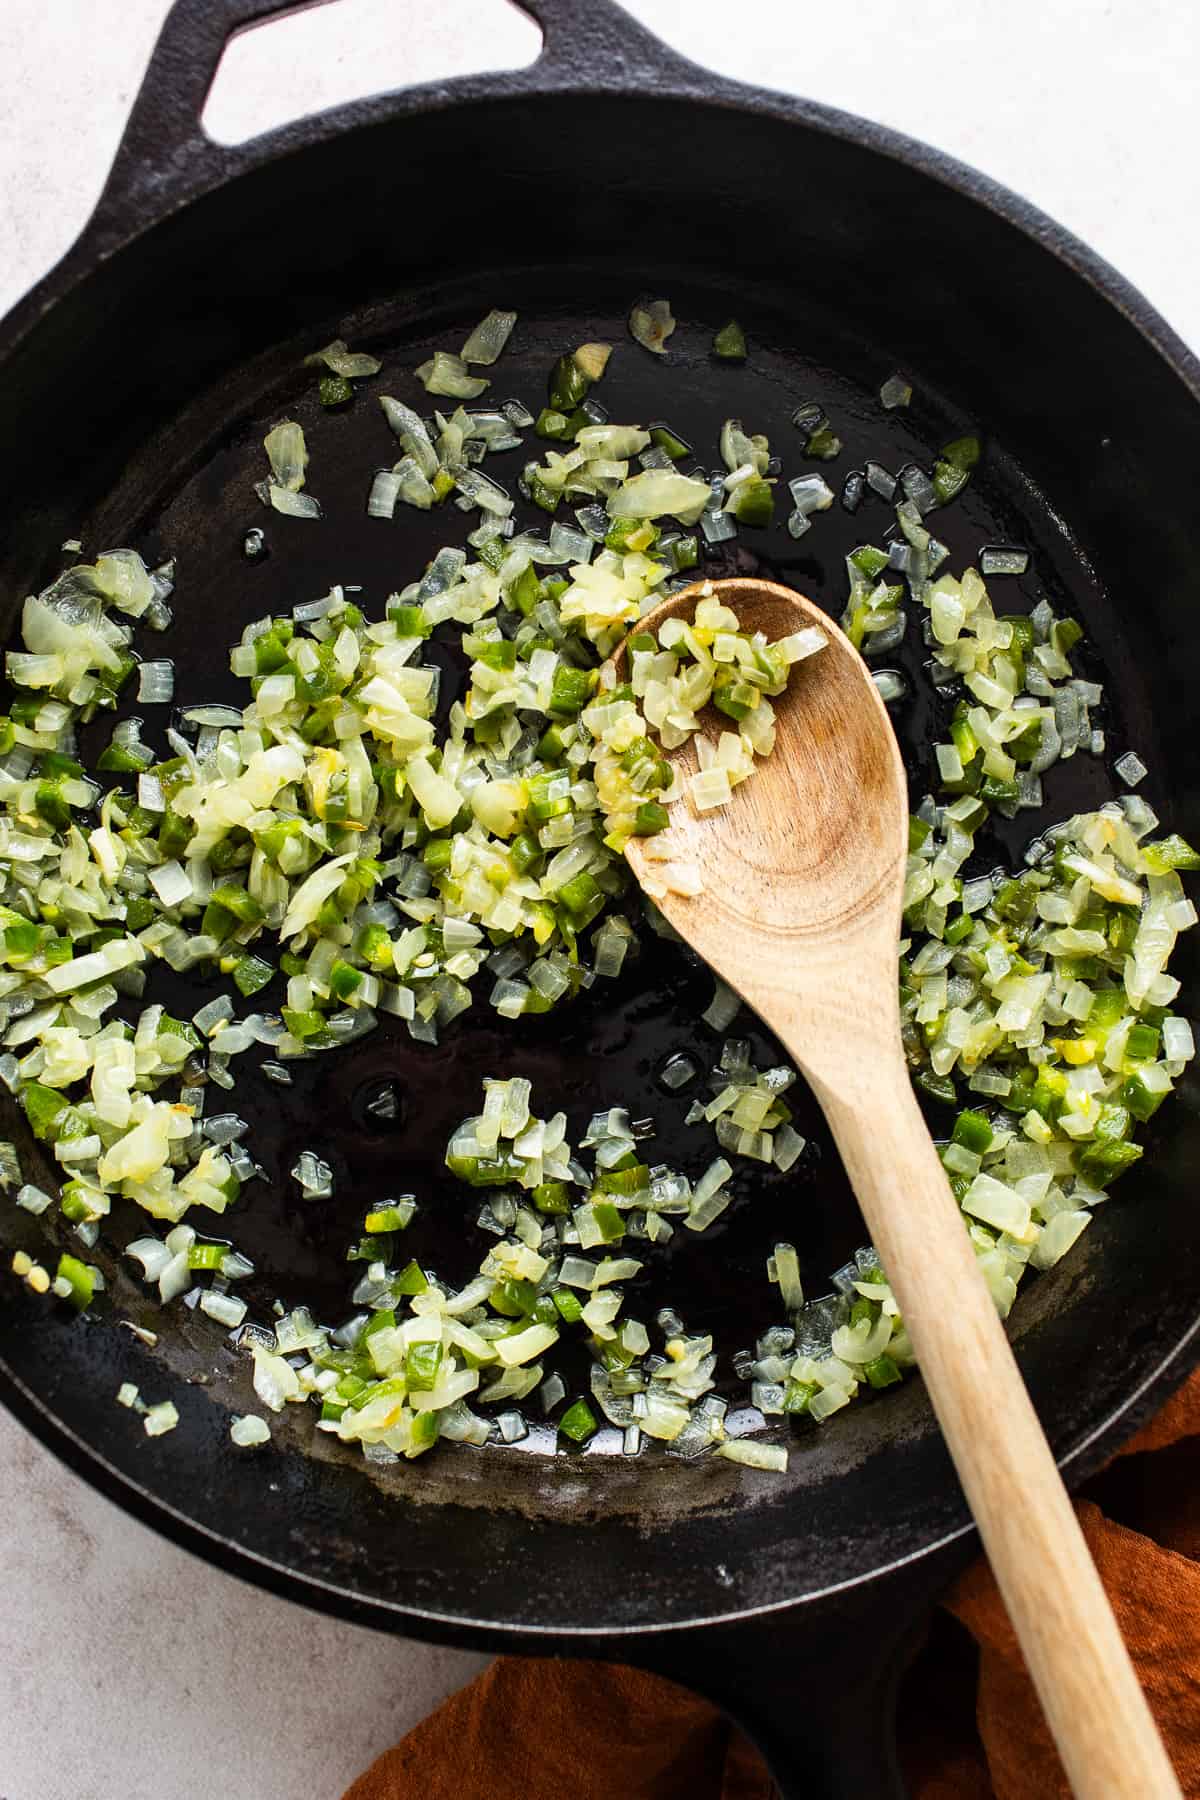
(165, 157)
(164, 154)
(815, 1686)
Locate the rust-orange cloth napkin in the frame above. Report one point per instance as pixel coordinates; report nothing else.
(538, 1730)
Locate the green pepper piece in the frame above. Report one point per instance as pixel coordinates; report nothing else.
(552, 744)
(609, 1221)
(277, 835)
(560, 427)
(424, 1430)
(754, 500)
(972, 1131)
(410, 621)
(123, 759)
(345, 980)
(251, 974)
(568, 385)
(1025, 746)
(824, 444)
(1173, 852)
(334, 390)
(411, 1280)
(627, 1177)
(1141, 1045)
(664, 439)
(44, 1108)
(78, 1202)
(570, 691)
(491, 552)
(525, 592)
(958, 929)
(730, 342)
(240, 904)
(948, 481)
(49, 805)
(375, 947)
(514, 1299)
(526, 853)
(631, 534)
(732, 695)
(1142, 1101)
(1065, 634)
(995, 791)
(1022, 630)
(883, 1372)
(303, 1025)
(569, 1305)
(206, 1256)
(421, 1365)
(1103, 1161)
(650, 819)
(110, 681)
(868, 560)
(395, 1217)
(79, 1276)
(22, 940)
(541, 495)
(578, 1422)
(938, 1087)
(485, 1171)
(271, 648)
(174, 834)
(963, 452)
(579, 893)
(437, 854)
(497, 653)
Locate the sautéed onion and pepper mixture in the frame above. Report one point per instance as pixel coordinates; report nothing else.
(333, 839)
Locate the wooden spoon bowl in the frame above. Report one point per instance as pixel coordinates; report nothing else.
(810, 853)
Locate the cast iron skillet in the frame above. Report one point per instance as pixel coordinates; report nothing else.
(138, 379)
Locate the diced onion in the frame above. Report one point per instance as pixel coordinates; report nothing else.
(651, 323)
(489, 338)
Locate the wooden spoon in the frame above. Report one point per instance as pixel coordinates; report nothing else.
(802, 876)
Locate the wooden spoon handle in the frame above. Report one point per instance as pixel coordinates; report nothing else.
(1095, 1707)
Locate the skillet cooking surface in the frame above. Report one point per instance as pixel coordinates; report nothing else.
(609, 1047)
(494, 1537)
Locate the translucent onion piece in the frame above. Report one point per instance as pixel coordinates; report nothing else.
(353, 365)
(488, 338)
(896, 391)
(651, 324)
(288, 455)
(446, 374)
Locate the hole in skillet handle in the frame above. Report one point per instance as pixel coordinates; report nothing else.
(337, 51)
(176, 144)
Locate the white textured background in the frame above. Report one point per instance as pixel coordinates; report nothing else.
(129, 1671)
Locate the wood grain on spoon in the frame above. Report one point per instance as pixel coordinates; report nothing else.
(800, 912)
